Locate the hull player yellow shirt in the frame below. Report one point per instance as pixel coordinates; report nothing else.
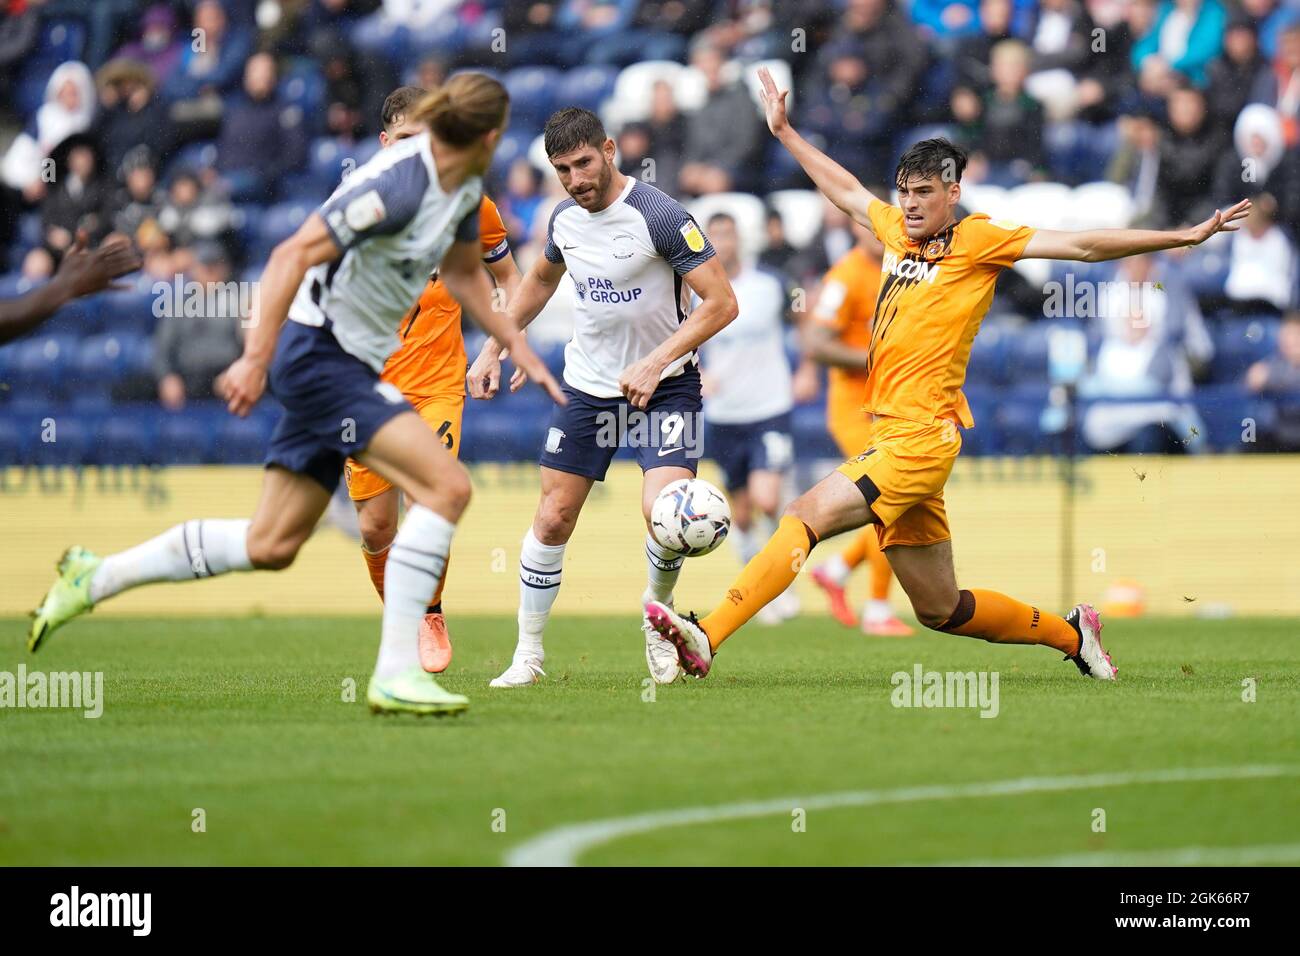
(933, 295)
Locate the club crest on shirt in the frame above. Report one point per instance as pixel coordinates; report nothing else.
(694, 238)
(624, 246)
(933, 249)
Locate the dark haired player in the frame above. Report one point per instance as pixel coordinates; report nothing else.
(936, 284)
(630, 372)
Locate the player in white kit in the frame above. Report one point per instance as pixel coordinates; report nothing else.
(748, 395)
(631, 374)
(344, 281)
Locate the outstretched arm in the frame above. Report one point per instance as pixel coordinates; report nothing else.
(835, 182)
(1099, 245)
(82, 272)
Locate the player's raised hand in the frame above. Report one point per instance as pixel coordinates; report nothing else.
(242, 385)
(773, 102)
(527, 361)
(639, 381)
(484, 377)
(1222, 221)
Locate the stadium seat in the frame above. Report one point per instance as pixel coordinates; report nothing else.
(1101, 206)
(781, 75)
(281, 220)
(102, 360)
(532, 93)
(983, 197)
(243, 440)
(631, 97)
(746, 209)
(302, 85)
(186, 437)
(802, 211)
(1224, 409)
(1043, 205)
(55, 438)
(989, 355)
(808, 427)
(514, 143)
(129, 310)
(1238, 343)
(59, 41)
(305, 188)
(192, 157)
(15, 442)
(127, 437)
(587, 86)
(44, 364)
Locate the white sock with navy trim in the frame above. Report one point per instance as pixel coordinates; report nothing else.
(416, 561)
(662, 568)
(540, 566)
(199, 548)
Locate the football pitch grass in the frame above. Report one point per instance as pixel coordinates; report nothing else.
(791, 752)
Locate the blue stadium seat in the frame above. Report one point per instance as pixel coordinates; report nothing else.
(586, 86)
(1026, 358)
(243, 440)
(281, 220)
(327, 158)
(1240, 342)
(44, 365)
(186, 437)
(306, 187)
(30, 230)
(303, 85)
(55, 438)
(129, 436)
(78, 318)
(500, 435)
(128, 311)
(59, 41)
(514, 143)
(811, 439)
(103, 359)
(13, 285)
(192, 157)
(532, 92)
(988, 356)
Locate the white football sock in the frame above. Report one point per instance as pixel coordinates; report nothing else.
(417, 559)
(199, 548)
(540, 566)
(876, 611)
(837, 569)
(662, 567)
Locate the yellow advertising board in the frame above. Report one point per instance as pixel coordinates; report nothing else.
(1196, 534)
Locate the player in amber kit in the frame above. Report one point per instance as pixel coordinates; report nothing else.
(838, 336)
(937, 279)
(429, 369)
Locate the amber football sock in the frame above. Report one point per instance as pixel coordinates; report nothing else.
(375, 561)
(882, 575)
(859, 548)
(994, 617)
(767, 575)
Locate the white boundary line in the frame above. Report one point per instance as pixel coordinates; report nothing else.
(1171, 856)
(564, 845)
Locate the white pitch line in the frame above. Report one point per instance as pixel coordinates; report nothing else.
(1171, 856)
(564, 845)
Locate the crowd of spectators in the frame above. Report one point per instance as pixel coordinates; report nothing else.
(202, 128)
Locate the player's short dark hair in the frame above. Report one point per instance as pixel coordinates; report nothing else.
(931, 157)
(400, 102)
(722, 216)
(572, 128)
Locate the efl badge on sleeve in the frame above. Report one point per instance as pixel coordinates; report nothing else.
(694, 238)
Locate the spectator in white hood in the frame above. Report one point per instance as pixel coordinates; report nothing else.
(68, 109)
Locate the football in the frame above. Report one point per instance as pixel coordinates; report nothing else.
(691, 517)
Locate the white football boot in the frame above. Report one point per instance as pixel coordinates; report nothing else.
(660, 655)
(693, 650)
(523, 672)
(1092, 659)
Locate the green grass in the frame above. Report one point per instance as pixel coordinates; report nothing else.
(244, 719)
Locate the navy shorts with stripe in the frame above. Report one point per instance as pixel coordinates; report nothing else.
(742, 449)
(333, 404)
(578, 436)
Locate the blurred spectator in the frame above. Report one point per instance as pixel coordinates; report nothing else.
(634, 157)
(667, 129)
(261, 137)
(1142, 369)
(778, 254)
(850, 110)
(38, 264)
(19, 28)
(831, 243)
(1258, 145)
(531, 27)
(190, 351)
(1061, 42)
(138, 202)
(946, 18)
(521, 200)
(158, 48)
(1279, 377)
(1189, 153)
(1136, 165)
(134, 115)
(888, 43)
(1185, 36)
(1268, 17)
(79, 198)
(68, 109)
(430, 74)
(659, 31)
(215, 64)
(588, 24)
(1005, 129)
(722, 136)
(1106, 81)
(973, 53)
(191, 212)
(1234, 75)
(1280, 86)
(344, 93)
(1261, 276)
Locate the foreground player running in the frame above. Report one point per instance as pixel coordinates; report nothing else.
(344, 280)
(630, 372)
(429, 368)
(837, 336)
(936, 284)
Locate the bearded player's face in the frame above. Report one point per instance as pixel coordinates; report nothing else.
(585, 173)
